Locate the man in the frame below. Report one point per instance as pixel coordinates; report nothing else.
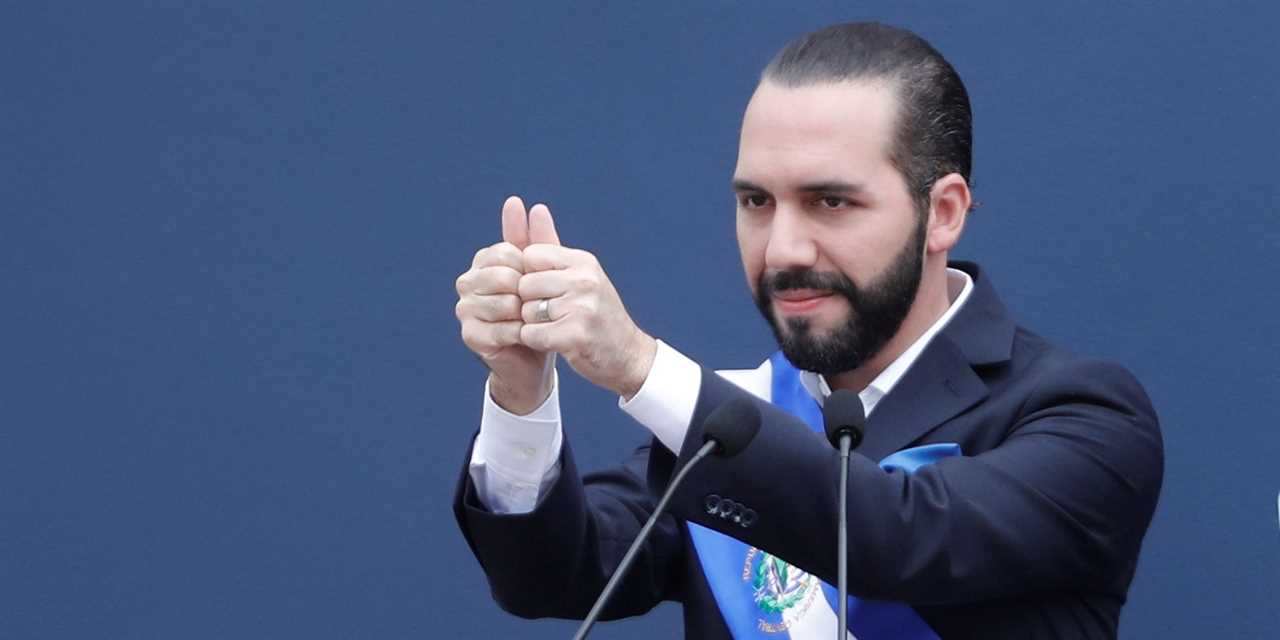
(1003, 487)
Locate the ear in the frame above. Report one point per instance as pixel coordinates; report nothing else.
(949, 202)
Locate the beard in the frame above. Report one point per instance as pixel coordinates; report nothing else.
(876, 311)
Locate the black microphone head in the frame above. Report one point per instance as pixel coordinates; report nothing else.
(733, 424)
(842, 413)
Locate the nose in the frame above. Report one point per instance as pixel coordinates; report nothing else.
(791, 244)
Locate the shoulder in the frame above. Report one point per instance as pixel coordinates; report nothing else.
(1090, 405)
(1053, 374)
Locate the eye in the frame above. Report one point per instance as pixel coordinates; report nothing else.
(833, 202)
(753, 200)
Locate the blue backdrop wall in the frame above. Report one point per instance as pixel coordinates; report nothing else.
(233, 402)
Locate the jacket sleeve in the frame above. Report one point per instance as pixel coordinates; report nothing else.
(555, 560)
(1059, 504)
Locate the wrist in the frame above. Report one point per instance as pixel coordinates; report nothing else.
(639, 364)
(522, 397)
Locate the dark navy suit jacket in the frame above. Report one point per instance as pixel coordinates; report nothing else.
(1034, 533)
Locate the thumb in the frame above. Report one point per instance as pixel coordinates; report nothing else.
(542, 228)
(515, 227)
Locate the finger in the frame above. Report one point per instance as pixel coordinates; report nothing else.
(486, 338)
(541, 336)
(542, 227)
(515, 224)
(544, 284)
(498, 308)
(563, 337)
(557, 308)
(541, 257)
(501, 254)
(491, 280)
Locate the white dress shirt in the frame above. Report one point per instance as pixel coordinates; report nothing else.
(516, 458)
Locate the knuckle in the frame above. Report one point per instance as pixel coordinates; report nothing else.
(529, 337)
(487, 280)
(483, 308)
(580, 335)
(478, 335)
(469, 334)
(507, 279)
(508, 253)
(510, 333)
(481, 280)
(486, 308)
(507, 305)
(497, 254)
(571, 307)
(530, 261)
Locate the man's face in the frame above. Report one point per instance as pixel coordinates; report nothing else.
(831, 243)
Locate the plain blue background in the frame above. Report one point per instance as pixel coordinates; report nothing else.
(233, 401)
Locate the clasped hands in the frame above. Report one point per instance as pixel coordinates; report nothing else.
(586, 322)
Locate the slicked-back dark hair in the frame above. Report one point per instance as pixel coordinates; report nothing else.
(934, 123)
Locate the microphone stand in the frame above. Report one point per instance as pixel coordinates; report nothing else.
(842, 544)
(728, 430)
(630, 557)
(844, 418)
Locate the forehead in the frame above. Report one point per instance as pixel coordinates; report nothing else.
(831, 130)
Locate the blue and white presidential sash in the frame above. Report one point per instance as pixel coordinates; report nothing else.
(762, 596)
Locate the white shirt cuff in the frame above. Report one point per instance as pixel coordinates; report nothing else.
(665, 402)
(516, 458)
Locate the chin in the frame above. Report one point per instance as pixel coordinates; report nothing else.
(819, 325)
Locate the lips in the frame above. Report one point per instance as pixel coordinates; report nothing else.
(795, 301)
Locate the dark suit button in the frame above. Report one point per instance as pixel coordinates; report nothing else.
(712, 503)
(747, 518)
(738, 510)
(727, 507)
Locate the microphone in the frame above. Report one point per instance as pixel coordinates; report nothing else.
(843, 419)
(727, 431)
(842, 415)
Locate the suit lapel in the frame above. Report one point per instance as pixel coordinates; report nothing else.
(941, 383)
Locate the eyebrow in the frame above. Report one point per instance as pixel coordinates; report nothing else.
(827, 186)
(744, 185)
(831, 186)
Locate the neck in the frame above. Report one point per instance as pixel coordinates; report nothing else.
(932, 300)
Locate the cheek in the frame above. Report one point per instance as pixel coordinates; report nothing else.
(752, 242)
(863, 248)
(849, 258)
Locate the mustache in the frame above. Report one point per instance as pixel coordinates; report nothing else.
(806, 279)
